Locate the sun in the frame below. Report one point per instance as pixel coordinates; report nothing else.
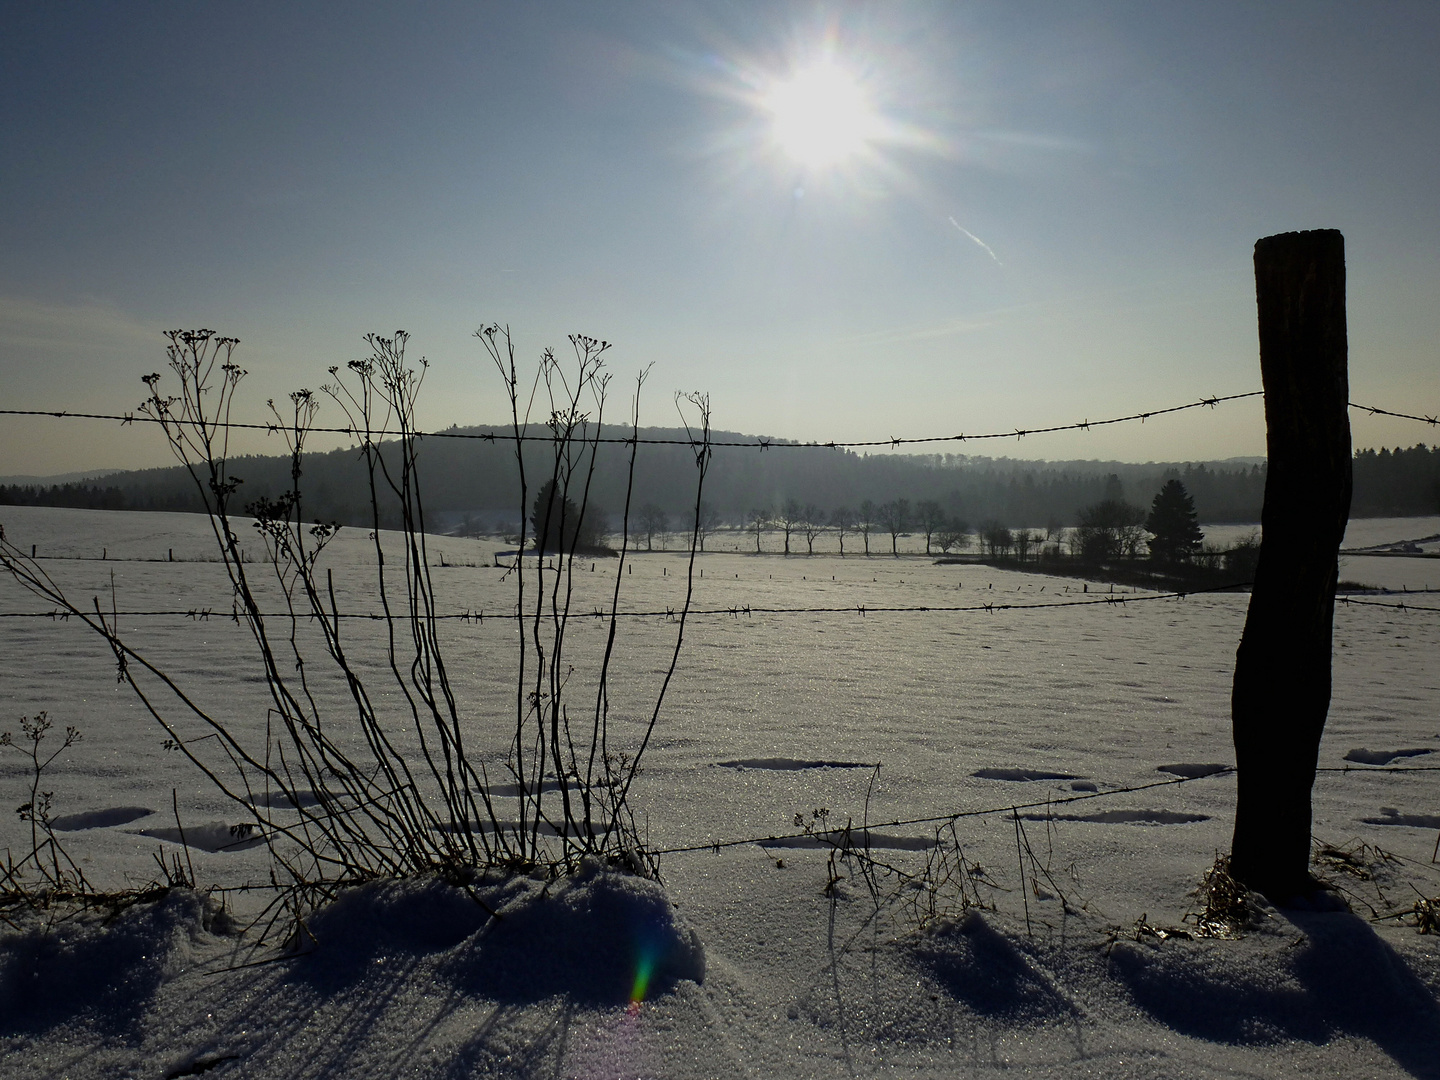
(821, 115)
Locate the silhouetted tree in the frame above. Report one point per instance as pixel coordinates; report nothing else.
(865, 522)
(706, 523)
(955, 533)
(1174, 527)
(996, 538)
(1241, 558)
(812, 524)
(757, 521)
(843, 519)
(930, 517)
(894, 519)
(1108, 530)
(652, 520)
(559, 525)
(789, 518)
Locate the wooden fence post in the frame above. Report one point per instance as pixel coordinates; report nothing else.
(1281, 692)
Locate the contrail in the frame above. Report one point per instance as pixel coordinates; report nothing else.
(988, 250)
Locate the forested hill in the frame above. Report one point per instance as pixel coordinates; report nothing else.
(468, 476)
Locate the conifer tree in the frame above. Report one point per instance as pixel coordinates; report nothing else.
(1173, 524)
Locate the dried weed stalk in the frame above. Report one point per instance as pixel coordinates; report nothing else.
(389, 785)
(946, 885)
(47, 870)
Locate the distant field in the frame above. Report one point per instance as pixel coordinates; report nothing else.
(1105, 694)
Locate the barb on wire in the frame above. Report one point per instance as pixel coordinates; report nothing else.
(752, 444)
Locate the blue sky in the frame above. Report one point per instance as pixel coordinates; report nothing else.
(1055, 223)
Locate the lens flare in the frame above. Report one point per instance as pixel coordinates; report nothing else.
(644, 969)
(821, 115)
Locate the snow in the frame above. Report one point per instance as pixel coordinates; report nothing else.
(755, 967)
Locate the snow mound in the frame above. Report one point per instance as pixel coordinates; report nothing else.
(104, 970)
(1337, 978)
(989, 972)
(599, 937)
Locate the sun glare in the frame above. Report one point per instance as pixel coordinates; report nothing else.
(821, 115)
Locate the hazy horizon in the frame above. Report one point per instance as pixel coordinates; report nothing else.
(845, 221)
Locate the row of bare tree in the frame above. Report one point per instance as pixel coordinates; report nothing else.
(1108, 531)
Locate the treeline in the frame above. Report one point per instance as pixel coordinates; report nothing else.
(477, 479)
(1397, 483)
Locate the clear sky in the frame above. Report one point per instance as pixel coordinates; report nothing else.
(844, 221)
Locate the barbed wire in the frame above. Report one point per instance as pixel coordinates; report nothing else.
(1375, 411)
(837, 836)
(1401, 606)
(758, 443)
(941, 819)
(733, 610)
(1009, 808)
(748, 611)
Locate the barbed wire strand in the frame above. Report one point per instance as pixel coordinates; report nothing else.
(733, 610)
(944, 819)
(736, 610)
(1401, 606)
(1375, 411)
(831, 835)
(862, 610)
(753, 444)
(1009, 808)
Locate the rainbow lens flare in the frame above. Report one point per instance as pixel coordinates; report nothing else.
(644, 969)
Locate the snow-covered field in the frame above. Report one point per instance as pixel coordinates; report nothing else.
(769, 716)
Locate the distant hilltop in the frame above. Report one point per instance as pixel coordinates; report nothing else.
(465, 474)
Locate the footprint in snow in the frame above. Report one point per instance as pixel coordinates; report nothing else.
(99, 819)
(1022, 774)
(781, 764)
(1382, 757)
(859, 838)
(1192, 770)
(211, 836)
(278, 800)
(1389, 815)
(1125, 817)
